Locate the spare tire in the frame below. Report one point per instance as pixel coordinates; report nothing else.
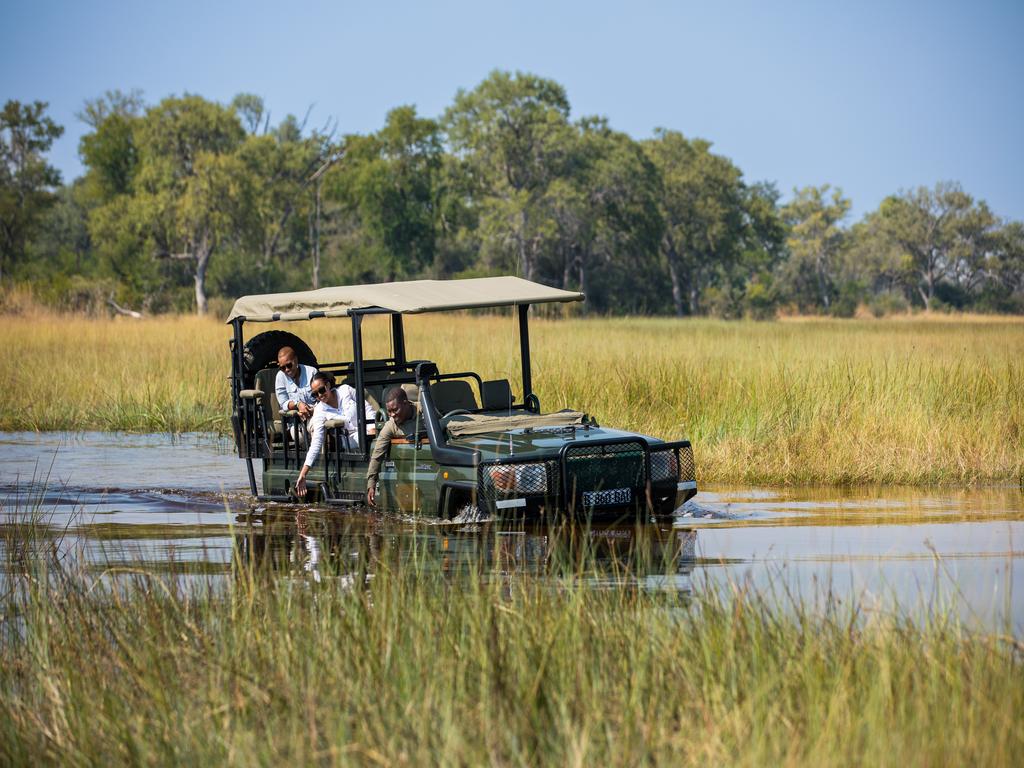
(261, 352)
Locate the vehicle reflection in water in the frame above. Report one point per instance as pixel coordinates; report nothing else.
(910, 550)
(353, 548)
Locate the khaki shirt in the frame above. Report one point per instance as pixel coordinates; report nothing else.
(389, 432)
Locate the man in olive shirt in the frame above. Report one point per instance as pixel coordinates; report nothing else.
(404, 418)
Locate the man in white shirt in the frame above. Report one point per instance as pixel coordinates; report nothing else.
(292, 384)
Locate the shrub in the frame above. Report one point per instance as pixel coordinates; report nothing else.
(888, 303)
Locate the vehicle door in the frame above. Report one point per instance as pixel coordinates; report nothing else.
(408, 476)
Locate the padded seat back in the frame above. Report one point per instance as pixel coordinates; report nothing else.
(412, 392)
(453, 395)
(375, 392)
(496, 395)
(265, 382)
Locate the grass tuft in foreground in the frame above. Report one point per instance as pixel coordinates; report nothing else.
(422, 668)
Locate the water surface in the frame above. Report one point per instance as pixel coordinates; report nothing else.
(180, 505)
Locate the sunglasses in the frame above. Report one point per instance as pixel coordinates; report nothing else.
(320, 391)
(286, 366)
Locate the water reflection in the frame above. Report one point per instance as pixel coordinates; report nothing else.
(356, 546)
(178, 507)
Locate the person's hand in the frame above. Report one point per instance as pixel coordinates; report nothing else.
(304, 411)
(371, 495)
(300, 488)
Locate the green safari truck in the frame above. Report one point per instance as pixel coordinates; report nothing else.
(478, 447)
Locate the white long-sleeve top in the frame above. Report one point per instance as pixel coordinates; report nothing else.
(346, 409)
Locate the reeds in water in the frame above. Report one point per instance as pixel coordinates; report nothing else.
(389, 661)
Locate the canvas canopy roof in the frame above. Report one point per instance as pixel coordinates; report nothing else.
(408, 297)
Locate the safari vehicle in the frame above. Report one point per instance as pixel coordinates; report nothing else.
(478, 447)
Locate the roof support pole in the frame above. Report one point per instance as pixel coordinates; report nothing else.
(357, 361)
(524, 349)
(237, 365)
(398, 339)
(237, 385)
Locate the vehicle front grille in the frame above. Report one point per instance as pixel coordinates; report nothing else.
(664, 465)
(590, 468)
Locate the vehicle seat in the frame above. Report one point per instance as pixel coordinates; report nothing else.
(496, 395)
(412, 392)
(265, 382)
(452, 395)
(374, 393)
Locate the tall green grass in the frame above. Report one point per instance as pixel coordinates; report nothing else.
(913, 401)
(417, 667)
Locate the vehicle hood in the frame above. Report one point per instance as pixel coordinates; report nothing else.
(540, 442)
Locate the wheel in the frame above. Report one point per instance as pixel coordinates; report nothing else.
(261, 352)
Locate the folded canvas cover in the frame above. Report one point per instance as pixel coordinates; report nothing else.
(467, 424)
(408, 297)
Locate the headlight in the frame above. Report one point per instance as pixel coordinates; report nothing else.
(664, 466)
(518, 478)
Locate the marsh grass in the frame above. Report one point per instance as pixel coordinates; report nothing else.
(912, 401)
(414, 666)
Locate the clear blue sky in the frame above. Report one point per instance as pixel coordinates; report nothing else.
(870, 96)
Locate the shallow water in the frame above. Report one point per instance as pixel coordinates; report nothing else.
(180, 505)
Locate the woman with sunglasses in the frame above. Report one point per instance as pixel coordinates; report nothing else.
(332, 402)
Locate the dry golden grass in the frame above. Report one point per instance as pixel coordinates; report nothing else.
(909, 400)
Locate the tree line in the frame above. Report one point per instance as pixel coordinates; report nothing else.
(188, 200)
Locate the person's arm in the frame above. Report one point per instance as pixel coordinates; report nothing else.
(281, 389)
(304, 400)
(316, 430)
(380, 448)
(347, 406)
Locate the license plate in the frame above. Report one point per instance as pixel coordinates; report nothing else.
(605, 498)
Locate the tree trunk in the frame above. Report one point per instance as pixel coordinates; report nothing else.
(525, 260)
(822, 281)
(928, 292)
(673, 274)
(204, 249)
(316, 239)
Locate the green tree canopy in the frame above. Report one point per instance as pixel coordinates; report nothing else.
(943, 234)
(816, 241)
(389, 180)
(27, 181)
(512, 132)
(189, 197)
(702, 204)
(185, 189)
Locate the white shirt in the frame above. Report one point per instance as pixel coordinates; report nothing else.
(347, 410)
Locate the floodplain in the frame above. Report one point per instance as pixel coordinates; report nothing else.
(847, 587)
(909, 401)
